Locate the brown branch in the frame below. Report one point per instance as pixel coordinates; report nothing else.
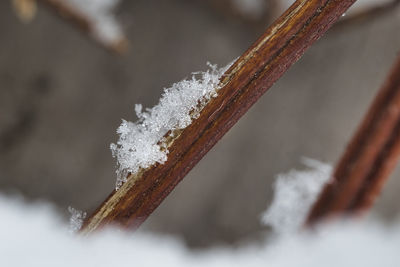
(369, 158)
(84, 24)
(243, 84)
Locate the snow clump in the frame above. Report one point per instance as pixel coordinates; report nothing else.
(142, 144)
(76, 219)
(295, 192)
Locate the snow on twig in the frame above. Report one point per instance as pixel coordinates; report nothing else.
(143, 143)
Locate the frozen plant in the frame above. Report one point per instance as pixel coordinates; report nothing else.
(142, 144)
(294, 193)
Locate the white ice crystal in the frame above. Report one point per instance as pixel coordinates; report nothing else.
(140, 144)
(100, 13)
(294, 193)
(76, 219)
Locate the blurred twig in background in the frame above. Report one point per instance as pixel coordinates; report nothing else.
(378, 9)
(254, 12)
(92, 18)
(369, 158)
(260, 12)
(25, 9)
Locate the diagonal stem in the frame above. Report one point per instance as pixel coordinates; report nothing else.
(282, 44)
(369, 158)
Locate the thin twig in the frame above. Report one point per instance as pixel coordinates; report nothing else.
(85, 25)
(242, 85)
(369, 158)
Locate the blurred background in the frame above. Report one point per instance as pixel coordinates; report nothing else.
(63, 94)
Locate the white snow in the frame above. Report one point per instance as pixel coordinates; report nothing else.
(100, 12)
(76, 219)
(141, 144)
(294, 194)
(34, 236)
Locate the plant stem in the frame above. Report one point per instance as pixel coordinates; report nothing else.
(282, 44)
(369, 158)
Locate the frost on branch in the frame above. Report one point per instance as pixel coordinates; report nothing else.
(76, 219)
(295, 192)
(142, 144)
(100, 13)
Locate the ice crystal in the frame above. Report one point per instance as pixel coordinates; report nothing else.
(141, 144)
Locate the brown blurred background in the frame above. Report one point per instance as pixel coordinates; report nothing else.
(62, 98)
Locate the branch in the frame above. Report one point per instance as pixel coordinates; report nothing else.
(369, 158)
(86, 25)
(242, 85)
